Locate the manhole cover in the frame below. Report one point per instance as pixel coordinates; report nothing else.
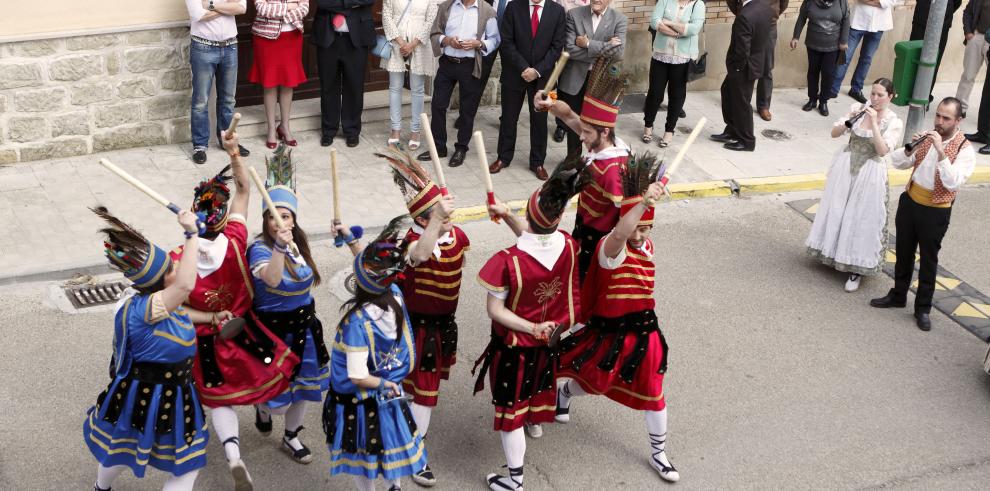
(94, 294)
(776, 135)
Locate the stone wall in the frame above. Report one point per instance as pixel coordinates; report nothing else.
(79, 95)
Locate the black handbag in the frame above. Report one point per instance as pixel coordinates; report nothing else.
(697, 66)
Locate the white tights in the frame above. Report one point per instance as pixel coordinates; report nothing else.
(225, 425)
(364, 484)
(105, 476)
(421, 415)
(294, 414)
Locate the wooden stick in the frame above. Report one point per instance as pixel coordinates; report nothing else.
(336, 185)
(271, 206)
(174, 208)
(479, 146)
(555, 74)
(431, 145)
(680, 153)
(233, 123)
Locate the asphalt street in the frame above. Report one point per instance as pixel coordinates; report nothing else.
(778, 379)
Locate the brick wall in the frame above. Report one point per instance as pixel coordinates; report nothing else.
(716, 12)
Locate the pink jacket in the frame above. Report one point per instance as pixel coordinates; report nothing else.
(271, 14)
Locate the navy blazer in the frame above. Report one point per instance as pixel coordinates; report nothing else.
(359, 22)
(520, 50)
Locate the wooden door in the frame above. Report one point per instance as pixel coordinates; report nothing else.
(250, 94)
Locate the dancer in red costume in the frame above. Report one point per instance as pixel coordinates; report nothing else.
(253, 365)
(621, 354)
(532, 289)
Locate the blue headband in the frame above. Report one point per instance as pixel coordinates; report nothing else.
(152, 270)
(366, 279)
(282, 197)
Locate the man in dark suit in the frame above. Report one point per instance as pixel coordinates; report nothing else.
(532, 40)
(920, 21)
(343, 32)
(744, 63)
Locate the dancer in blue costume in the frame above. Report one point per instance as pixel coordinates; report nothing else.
(150, 413)
(283, 302)
(370, 430)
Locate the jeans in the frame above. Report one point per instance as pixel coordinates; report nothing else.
(417, 84)
(871, 41)
(821, 66)
(209, 63)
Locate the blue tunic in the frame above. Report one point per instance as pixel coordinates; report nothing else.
(293, 299)
(400, 452)
(137, 423)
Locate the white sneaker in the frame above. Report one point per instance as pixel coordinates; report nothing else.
(534, 431)
(242, 480)
(662, 465)
(852, 284)
(563, 414)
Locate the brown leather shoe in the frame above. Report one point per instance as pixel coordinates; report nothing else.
(540, 172)
(496, 166)
(765, 114)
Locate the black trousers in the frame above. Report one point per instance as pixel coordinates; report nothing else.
(487, 63)
(821, 67)
(450, 74)
(737, 111)
(764, 86)
(673, 79)
(983, 121)
(575, 102)
(588, 239)
(341, 68)
(512, 103)
(918, 227)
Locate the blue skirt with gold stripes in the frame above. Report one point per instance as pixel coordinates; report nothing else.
(311, 380)
(143, 419)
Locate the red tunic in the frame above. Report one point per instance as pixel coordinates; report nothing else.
(431, 291)
(246, 379)
(598, 203)
(619, 301)
(537, 295)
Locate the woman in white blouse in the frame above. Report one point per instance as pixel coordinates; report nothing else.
(407, 25)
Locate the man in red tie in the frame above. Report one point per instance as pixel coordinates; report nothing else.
(343, 32)
(532, 40)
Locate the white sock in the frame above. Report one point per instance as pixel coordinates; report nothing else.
(397, 482)
(225, 425)
(656, 425)
(181, 483)
(364, 484)
(514, 446)
(421, 415)
(294, 417)
(568, 390)
(106, 475)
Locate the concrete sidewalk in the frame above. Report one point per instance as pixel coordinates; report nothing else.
(43, 205)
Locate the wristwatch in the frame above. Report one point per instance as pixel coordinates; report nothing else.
(210, 7)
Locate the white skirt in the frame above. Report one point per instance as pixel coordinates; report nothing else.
(850, 229)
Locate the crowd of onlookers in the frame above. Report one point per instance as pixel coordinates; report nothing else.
(455, 43)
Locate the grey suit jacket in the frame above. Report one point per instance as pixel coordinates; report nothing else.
(613, 24)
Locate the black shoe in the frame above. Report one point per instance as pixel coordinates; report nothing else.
(887, 301)
(559, 134)
(199, 156)
(243, 151)
(352, 141)
(923, 320)
(425, 477)
(425, 156)
(457, 123)
(457, 159)
(984, 150)
(723, 137)
(823, 109)
(303, 455)
(855, 94)
(810, 105)
(977, 138)
(326, 140)
(682, 114)
(739, 146)
(265, 427)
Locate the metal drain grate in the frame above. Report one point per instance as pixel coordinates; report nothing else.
(89, 295)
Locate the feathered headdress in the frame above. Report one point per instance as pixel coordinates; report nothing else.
(606, 87)
(419, 191)
(381, 261)
(142, 262)
(546, 204)
(640, 171)
(210, 200)
(281, 180)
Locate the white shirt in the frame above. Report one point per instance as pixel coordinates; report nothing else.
(210, 255)
(539, 13)
(444, 239)
(220, 29)
(614, 262)
(953, 175)
(872, 19)
(462, 23)
(596, 19)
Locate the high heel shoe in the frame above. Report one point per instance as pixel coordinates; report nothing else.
(270, 144)
(281, 135)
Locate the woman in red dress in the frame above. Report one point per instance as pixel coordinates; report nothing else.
(247, 367)
(277, 42)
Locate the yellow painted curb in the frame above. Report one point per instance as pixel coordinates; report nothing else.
(781, 184)
(705, 189)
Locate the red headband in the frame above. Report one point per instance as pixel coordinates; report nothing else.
(429, 196)
(598, 113)
(536, 215)
(628, 204)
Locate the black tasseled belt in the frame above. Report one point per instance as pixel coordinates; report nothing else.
(296, 322)
(435, 327)
(372, 432)
(639, 324)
